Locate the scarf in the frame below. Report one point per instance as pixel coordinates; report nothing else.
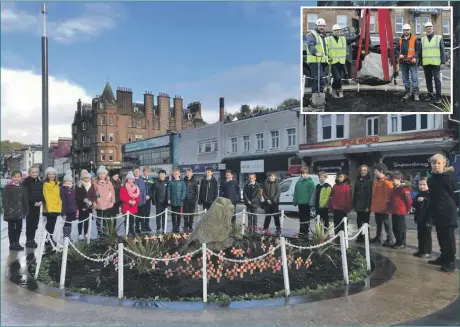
(133, 190)
(86, 185)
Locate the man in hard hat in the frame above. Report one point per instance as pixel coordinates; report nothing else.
(317, 55)
(433, 54)
(337, 53)
(408, 51)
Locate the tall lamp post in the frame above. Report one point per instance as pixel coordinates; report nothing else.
(45, 118)
(32, 149)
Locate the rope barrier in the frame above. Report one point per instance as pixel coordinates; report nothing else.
(106, 259)
(359, 232)
(270, 252)
(187, 214)
(313, 246)
(163, 259)
(50, 240)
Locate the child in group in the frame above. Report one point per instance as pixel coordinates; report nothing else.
(53, 203)
(15, 206)
(400, 204)
(82, 190)
(103, 198)
(117, 184)
(304, 197)
(362, 198)
(129, 195)
(272, 192)
(443, 210)
(34, 185)
(69, 203)
(177, 191)
(424, 223)
(160, 199)
(323, 195)
(251, 196)
(341, 200)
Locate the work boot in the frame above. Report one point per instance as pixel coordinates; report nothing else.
(407, 96)
(340, 93)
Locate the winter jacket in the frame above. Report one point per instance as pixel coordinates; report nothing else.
(209, 191)
(160, 193)
(51, 193)
(401, 200)
(117, 186)
(81, 194)
(34, 188)
(177, 192)
(143, 189)
(69, 202)
(420, 216)
(272, 192)
(251, 193)
(192, 188)
(125, 198)
(322, 195)
(362, 196)
(341, 199)
(103, 194)
(15, 202)
(149, 185)
(443, 202)
(381, 194)
(304, 192)
(230, 190)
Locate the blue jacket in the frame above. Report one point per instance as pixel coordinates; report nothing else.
(230, 190)
(177, 191)
(142, 188)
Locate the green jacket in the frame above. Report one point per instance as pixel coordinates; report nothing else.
(304, 192)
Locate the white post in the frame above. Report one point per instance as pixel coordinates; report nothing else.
(345, 230)
(366, 245)
(64, 263)
(243, 221)
(90, 227)
(282, 220)
(343, 249)
(166, 220)
(358, 87)
(41, 246)
(120, 270)
(287, 289)
(386, 87)
(127, 224)
(205, 275)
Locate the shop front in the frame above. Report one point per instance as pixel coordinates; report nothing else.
(199, 170)
(332, 166)
(411, 166)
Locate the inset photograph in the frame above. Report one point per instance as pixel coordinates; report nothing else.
(376, 60)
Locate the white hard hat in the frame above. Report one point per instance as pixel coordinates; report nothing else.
(428, 24)
(321, 21)
(406, 27)
(336, 27)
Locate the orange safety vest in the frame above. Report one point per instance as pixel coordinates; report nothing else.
(411, 50)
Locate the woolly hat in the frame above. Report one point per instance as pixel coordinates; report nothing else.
(84, 174)
(68, 176)
(50, 170)
(102, 170)
(130, 175)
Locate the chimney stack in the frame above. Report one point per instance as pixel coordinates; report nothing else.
(79, 106)
(221, 109)
(178, 106)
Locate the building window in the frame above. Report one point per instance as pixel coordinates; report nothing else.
(75, 143)
(103, 137)
(138, 137)
(30, 155)
(420, 23)
(372, 24)
(445, 27)
(201, 147)
(234, 144)
(102, 155)
(111, 156)
(138, 123)
(246, 146)
(342, 21)
(275, 136)
(111, 120)
(372, 126)
(208, 147)
(130, 138)
(102, 120)
(399, 22)
(311, 21)
(260, 141)
(130, 121)
(84, 126)
(94, 138)
(111, 137)
(291, 137)
(30, 163)
(413, 122)
(75, 129)
(331, 127)
(215, 146)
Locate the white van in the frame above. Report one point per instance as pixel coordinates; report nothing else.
(287, 191)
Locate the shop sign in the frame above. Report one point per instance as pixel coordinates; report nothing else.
(199, 168)
(252, 166)
(426, 10)
(152, 143)
(331, 166)
(408, 163)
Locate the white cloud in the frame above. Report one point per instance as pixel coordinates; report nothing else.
(95, 19)
(21, 105)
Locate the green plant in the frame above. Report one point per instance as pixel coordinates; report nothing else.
(237, 232)
(321, 234)
(445, 105)
(112, 232)
(83, 247)
(147, 248)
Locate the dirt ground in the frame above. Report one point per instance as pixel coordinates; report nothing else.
(375, 101)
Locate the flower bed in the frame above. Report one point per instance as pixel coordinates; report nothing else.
(181, 280)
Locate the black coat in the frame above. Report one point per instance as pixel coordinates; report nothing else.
(34, 188)
(15, 202)
(160, 193)
(420, 216)
(209, 191)
(230, 190)
(272, 191)
(117, 186)
(192, 188)
(443, 202)
(81, 194)
(251, 193)
(362, 195)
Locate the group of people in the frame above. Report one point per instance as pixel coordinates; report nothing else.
(330, 51)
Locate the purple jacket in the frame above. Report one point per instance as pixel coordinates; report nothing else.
(69, 202)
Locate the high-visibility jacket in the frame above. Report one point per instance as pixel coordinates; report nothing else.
(411, 49)
(431, 52)
(336, 50)
(319, 47)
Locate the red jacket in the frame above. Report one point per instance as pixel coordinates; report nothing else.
(341, 198)
(400, 200)
(125, 198)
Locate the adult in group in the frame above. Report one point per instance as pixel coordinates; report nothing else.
(317, 55)
(135, 225)
(251, 196)
(190, 200)
(209, 190)
(34, 187)
(149, 183)
(362, 198)
(103, 198)
(160, 199)
(230, 190)
(304, 197)
(272, 192)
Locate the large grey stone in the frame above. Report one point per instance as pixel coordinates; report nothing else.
(214, 228)
(371, 72)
